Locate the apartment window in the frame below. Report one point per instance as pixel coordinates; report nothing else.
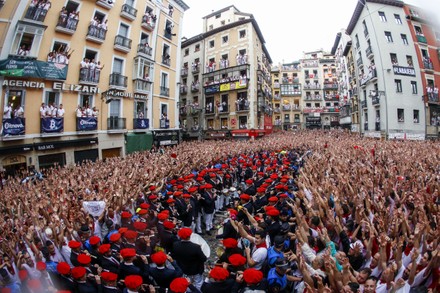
(52, 98)
(382, 16)
(409, 61)
(416, 116)
(357, 41)
(140, 109)
(27, 40)
(404, 39)
(164, 111)
(400, 115)
(418, 30)
(123, 30)
(398, 84)
(186, 52)
(211, 27)
(414, 87)
(86, 100)
(164, 80)
(308, 105)
(218, 15)
(389, 37)
(211, 44)
(365, 28)
(242, 34)
(393, 58)
(115, 108)
(225, 39)
(224, 123)
(223, 22)
(397, 19)
(197, 48)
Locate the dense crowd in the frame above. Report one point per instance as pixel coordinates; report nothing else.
(306, 212)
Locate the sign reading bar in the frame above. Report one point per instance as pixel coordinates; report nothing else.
(408, 71)
(33, 68)
(86, 123)
(52, 125)
(15, 126)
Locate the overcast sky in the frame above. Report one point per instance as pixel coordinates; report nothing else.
(289, 27)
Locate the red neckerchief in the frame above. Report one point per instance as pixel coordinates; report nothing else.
(408, 249)
(261, 245)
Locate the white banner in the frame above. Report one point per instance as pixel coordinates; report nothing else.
(95, 208)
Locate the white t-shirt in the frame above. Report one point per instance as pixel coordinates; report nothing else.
(60, 112)
(7, 112)
(259, 256)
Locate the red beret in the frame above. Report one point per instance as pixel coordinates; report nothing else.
(260, 173)
(184, 233)
(178, 193)
(200, 179)
(208, 186)
(74, 244)
(144, 206)
(63, 268)
(283, 195)
(34, 284)
(268, 180)
(140, 226)
(122, 230)
(249, 181)
(169, 225)
(232, 212)
(186, 195)
(84, 259)
(130, 234)
(273, 199)
(279, 186)
(180, 186)
(78, 272)
(152, 197)
(252, 276)
(159, 258)
(245, 197)
(162, 216)
(170, 200)
(284, 180)
(179, 285)
(230, 243)
(23, 274)
(142, 212)
(41, 266)
(237, 260)
(94, 240)
(104, 248)
(192, 189)
(274, 176)
(126, 215)
(267, 208)
(133, 282)
(273, 212)
(8, 290)
(128, 252)
(173, 181)
(152, 188)
(219, 273)
(115, 237)
(261, 189)
(109, 276)
(212, 175)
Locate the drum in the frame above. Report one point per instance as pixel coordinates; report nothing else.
(197, 239)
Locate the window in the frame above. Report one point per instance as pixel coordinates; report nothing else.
(223, 22)
(398, 84)
(382, 16)
(164, 111)
(197, 48)
(225, 39)
(414, 87)
(186, 52)
(123, 30)
(16, 98)
(218, 15)
(224, 123)
(164, 80)
(115, 108)
(211, 27)
(394, 60)
(52, 98)
(418, 30)
(117, 65)
(409, 61)
(242, 120)
(211, 44)
(86, 100)
(404, 39)
(365, 28)
(27, 40)
(400, 115)
(242, 34)
(357, 41)
(140, 109)
(389, 37)
(397, 19)
(416, 116)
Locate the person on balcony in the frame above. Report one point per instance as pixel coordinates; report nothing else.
(60, 111)
(72, 20)
(94, 26)
(63, 17)
(170, 10)
(89, 112)
(54, 112)
(79, 112)
(98, 69)
(19, 112)
(7, 111)
(102, 29)
(84, 71)
(95, 112)
(43, 110)
(92, 67)
(23, 51)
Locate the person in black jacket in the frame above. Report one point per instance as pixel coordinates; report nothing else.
(218, 281)
(162, 274)
(208, 204)
(108, 261)
(128, 267)
(190, 257)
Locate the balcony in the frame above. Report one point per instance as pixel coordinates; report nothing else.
(183, 89)
(164, 91)
(296, 107)
(331, 97)
(96, 34)
(164, 123)
(144, 50)
(195, 88)
(421, 39)
(148, 23)
(105, 4)
(313, 98)
(359, 62)
(364, 104)
(86, 124)
(209, 109)
(277, 97)
(331, 86)
(276, 85)
(224, 63)
(432, 98)
(87, 76)
(286, 108)
(2, 2)
(167, 34)
(369, 52)
(52, 125)
(128, 12)
(142, 86)
(118, 81)
(166, 60)
(427, 64)
(241, 107)
(141, 123)
(66, 25)
(184, 72)
(277, 110)
(14, 127)
(312, 86)
(223, 109)
(35, 14)
(122, 44)
(195, 69)
(116, 124)
(371, 76)
(375, 100)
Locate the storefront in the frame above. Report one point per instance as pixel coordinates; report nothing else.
(90, 155)
(313, 122)
(137, 142)
(245, 134)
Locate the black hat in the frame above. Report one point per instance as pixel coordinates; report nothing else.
(285, 227)
(281, 263)
(278, 241)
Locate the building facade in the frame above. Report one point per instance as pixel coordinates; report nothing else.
(226, 84)
(387, 69)
(87, 79)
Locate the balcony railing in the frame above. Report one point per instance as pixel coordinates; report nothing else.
(141, 123)
(286, 107)
(421, 39)
(116, 123)
(166, 60)
(195, 69)
(277, 97)
(148, 23)
(359, 61)
(276, 85)
(277, 110)
(364, 104)
(86, 123)
(145, 50)
(122, 43)
(105, 4)
(164, 91)
(369, 52)
(14, 127)
(183, 89)
(89, 76)
(142, 86)
(223, 108)
(52, 125)
(195, 88)
(128, 11)
(313, 98)
(118, 80)
(184, 72)
(431, 96)
(167, 34)
(66, 24)
(365, 32)
(375, 100)
(241, 107)
(36, 13)
(164, 123)
(328, 86)
(96, 34)
(312, 86)
(428, 65)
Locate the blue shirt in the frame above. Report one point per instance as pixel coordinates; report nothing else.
(274, 279)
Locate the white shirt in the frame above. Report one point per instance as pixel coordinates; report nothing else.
(259, 255)
(60, 112)
(7, 112)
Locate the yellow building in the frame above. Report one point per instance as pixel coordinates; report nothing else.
(225, 78)
(87, 79)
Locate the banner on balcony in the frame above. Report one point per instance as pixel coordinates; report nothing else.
(142, 124)
(52, 125)
(14, 126)
(33, 68)
(86, 123)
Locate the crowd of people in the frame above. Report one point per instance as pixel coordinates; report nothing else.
(51, 110)
(306, 211)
